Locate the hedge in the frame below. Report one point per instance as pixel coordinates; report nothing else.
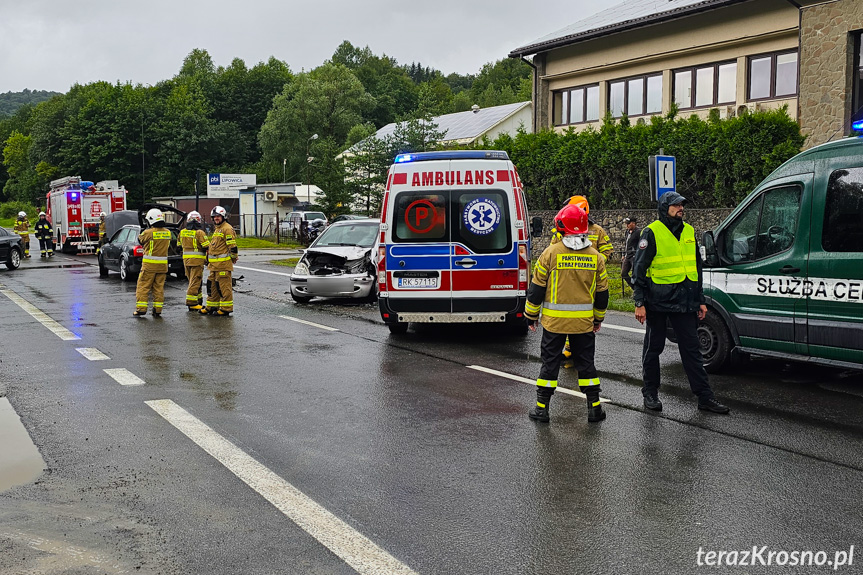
(718, 161)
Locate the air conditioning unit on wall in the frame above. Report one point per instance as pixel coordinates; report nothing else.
(271, 196)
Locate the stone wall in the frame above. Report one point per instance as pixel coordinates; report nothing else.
(612, 221)
(826, 62)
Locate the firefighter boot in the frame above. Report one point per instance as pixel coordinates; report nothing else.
(594, 407)
(543, 400)
(196, 307)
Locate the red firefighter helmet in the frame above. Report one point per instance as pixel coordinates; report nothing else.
(571, 220)
(581, 202)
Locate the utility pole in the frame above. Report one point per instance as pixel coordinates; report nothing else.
(197, 195)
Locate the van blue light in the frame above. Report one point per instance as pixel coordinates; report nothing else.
(452, 155)
(857, 126)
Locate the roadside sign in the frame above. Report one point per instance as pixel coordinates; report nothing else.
(663, 175)
(229, 185)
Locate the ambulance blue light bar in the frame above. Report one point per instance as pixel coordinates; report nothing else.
(857, 126)
(452, 155)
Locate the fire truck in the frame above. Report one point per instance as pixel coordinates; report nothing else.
(74, 207)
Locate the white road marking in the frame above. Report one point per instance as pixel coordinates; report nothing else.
(362, 554)
(622, 328)
(124, 376)
(40, 316)
(262, 271)
(308, 323)
(520, 379)
(92, 353)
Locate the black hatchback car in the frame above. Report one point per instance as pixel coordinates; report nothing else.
(11, 249)
(123, 254)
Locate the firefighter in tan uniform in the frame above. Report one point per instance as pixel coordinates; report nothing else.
(22, 228)
(156, 240)
(570, 290)
(194, 242)
(220, 260)
(102, 231)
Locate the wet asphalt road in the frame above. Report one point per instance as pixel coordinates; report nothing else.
(433, 462)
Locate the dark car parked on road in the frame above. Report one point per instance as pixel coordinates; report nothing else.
(123, 254)
(11, 249)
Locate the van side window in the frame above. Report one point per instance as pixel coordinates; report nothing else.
(843, 212)
(765, 228)
(420, 217)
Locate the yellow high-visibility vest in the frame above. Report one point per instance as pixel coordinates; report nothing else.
(675, 260)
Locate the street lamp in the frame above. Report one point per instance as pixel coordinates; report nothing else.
(284, 164)
(309, 167)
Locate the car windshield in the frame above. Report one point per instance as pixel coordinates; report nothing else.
(358, 234)
(315, 216)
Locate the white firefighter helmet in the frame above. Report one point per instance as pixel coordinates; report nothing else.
(194, 216)
(155, 215)
(219, 211)
(42, 214)
(22, 214)
(102, 214)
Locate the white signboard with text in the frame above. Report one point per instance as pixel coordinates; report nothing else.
(229, 185)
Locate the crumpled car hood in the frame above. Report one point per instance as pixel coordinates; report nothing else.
(347, 252)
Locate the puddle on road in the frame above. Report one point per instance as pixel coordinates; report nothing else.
(20, 461)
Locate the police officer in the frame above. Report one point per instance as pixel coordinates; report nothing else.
(22, 228)
(194, 242)
(569, 289)
(154, 267)
(220, 260)
(668, 288)
(44, 235)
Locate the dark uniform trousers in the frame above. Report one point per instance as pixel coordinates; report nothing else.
(685, 327)
(583, 346)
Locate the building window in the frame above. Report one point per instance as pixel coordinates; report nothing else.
(773, 76)
(857, 79)
(705, 86)
(576, 105)
(635, 96)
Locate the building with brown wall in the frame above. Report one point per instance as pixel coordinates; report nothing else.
(639, 57)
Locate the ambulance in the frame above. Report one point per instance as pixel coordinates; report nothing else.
(783, 274)
(454, 241)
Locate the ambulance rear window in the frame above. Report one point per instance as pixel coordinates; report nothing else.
(483, 221)
(420, 217)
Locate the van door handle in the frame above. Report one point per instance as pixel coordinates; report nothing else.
(468, 263)
(789, 270)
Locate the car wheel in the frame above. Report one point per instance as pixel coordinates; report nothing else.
(13, 260)
(399, 328)
(103, 271)
(125, 274)
(714, 341)
(301, 298)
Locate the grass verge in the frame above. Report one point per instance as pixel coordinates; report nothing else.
(290, 262)
(257, 243)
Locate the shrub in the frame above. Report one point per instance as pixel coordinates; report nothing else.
(11, 209)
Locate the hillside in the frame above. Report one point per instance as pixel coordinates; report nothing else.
(11, 101)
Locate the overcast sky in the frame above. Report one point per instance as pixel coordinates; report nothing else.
(52, 44)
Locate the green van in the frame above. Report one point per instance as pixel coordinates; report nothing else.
(783, 274)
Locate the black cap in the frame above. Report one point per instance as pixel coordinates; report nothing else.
(672, 198)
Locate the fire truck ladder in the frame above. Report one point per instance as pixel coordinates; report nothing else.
(87, 246)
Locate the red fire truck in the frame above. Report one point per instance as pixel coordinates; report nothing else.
(74, 207)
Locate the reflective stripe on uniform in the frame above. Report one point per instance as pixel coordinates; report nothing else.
(193, 256)
(569, 306)
(588, 382)
(161, 235)
(532, 309)
(220, 257)
(599, 314)
(552, 383)
(566, 314)
(540, 405)
(148, 259)
(226, 303)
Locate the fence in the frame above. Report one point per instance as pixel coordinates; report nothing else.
(264, 226)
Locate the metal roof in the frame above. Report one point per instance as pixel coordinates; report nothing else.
(625, 16)
(466, 125)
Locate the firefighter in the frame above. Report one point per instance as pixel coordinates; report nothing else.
(22, 228)
(570, 290)
(154, 267)
(220, 260)
(599, 240)
(194, 242)
(101, 231)
(43, 234)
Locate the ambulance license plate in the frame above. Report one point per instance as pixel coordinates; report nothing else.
(417, 283)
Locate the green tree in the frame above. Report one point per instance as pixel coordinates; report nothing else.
(366, 167)
(23, 182)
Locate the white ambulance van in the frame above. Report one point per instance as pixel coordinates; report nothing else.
(454, 244)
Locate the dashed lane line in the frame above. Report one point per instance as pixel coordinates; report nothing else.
(40, 316)
(262, 271)
(308, 323)
(362, 554)
(520, 379)
(124, 376)
(92, 353)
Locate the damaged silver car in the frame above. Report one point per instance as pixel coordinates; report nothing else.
(340, 263)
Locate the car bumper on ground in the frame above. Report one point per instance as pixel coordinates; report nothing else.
(347, 285)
